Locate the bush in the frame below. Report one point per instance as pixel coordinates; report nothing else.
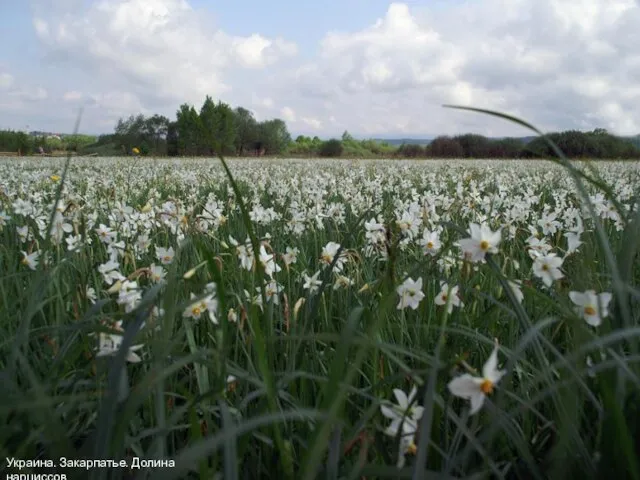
(331, 148)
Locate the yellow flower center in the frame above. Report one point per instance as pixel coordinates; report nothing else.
(24, 261)
(484, 245)
(166, 258)
(545, 267)
(444, 297)
(486, 386)
(430, 245)
(589, 310)
(412, 449)
(196, 311)
(55, 178)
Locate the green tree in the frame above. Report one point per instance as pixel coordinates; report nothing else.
(246, 130)
(273, 136)
(331, 148)
(189, 130)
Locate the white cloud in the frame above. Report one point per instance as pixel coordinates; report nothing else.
(6, 80)
(72, 96)
(163, 50)
(288, 114)
(312, 122)
(557, 64)
(257, 51)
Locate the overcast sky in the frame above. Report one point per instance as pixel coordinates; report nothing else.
(372, 67)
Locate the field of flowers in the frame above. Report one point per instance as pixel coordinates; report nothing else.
(321, 319)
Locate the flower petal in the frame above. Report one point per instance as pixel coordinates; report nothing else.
(489, 368)
(476, 403)
(389, 412)
(401, 398)
(464, 386)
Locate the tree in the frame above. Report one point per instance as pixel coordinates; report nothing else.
(172, 139)
(189, 130)
(331, 148)
(273, 136)
(246, 130)
(155, 128)
(130, 132)
(225, 129)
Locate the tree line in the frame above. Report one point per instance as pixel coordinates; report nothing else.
(215, 128)
(218, 128)
(597, 144)
(24, 144)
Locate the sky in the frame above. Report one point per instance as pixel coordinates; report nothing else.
(375, 68)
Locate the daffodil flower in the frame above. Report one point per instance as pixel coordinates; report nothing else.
(481, 242)
(405, 415)
(590, 306)
(476, 389)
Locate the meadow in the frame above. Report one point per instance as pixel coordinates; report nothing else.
(320, 318)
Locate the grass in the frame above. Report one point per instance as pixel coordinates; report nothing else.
(310, 373)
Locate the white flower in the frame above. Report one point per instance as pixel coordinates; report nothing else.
(30, 260)
(329, 252)
(450, 296)
(291, 256)
(547, 267)
(165, 255)
(109, 344)
(105, 234)
(430, 242)
(482, 241)
(342, 282)
(91, 294)
(196, 309)
(476, 389)
(410, 294)
(157, 273)
(311, 283)
(591, 306)
(110, 272)
(268, 262)
(406, 416)
(129, 295)
(23, 233)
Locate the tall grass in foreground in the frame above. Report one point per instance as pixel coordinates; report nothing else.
(294, 389)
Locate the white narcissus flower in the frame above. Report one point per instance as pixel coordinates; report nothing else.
(109, 344)
(311, 283)
(291, 256)
(196, 309)
(329, 252)
(406, 415)
(410, 294)
(165, 255)
(157, 273)
(591, 306)
(476, 389)
(31, 259)
(268, 261)
(430, 242)
(445, 293)
(547, 268)
(481, 242)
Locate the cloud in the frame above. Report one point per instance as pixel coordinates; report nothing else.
(558, 64)
(288, 114)
(6, 81)
(163, 50)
